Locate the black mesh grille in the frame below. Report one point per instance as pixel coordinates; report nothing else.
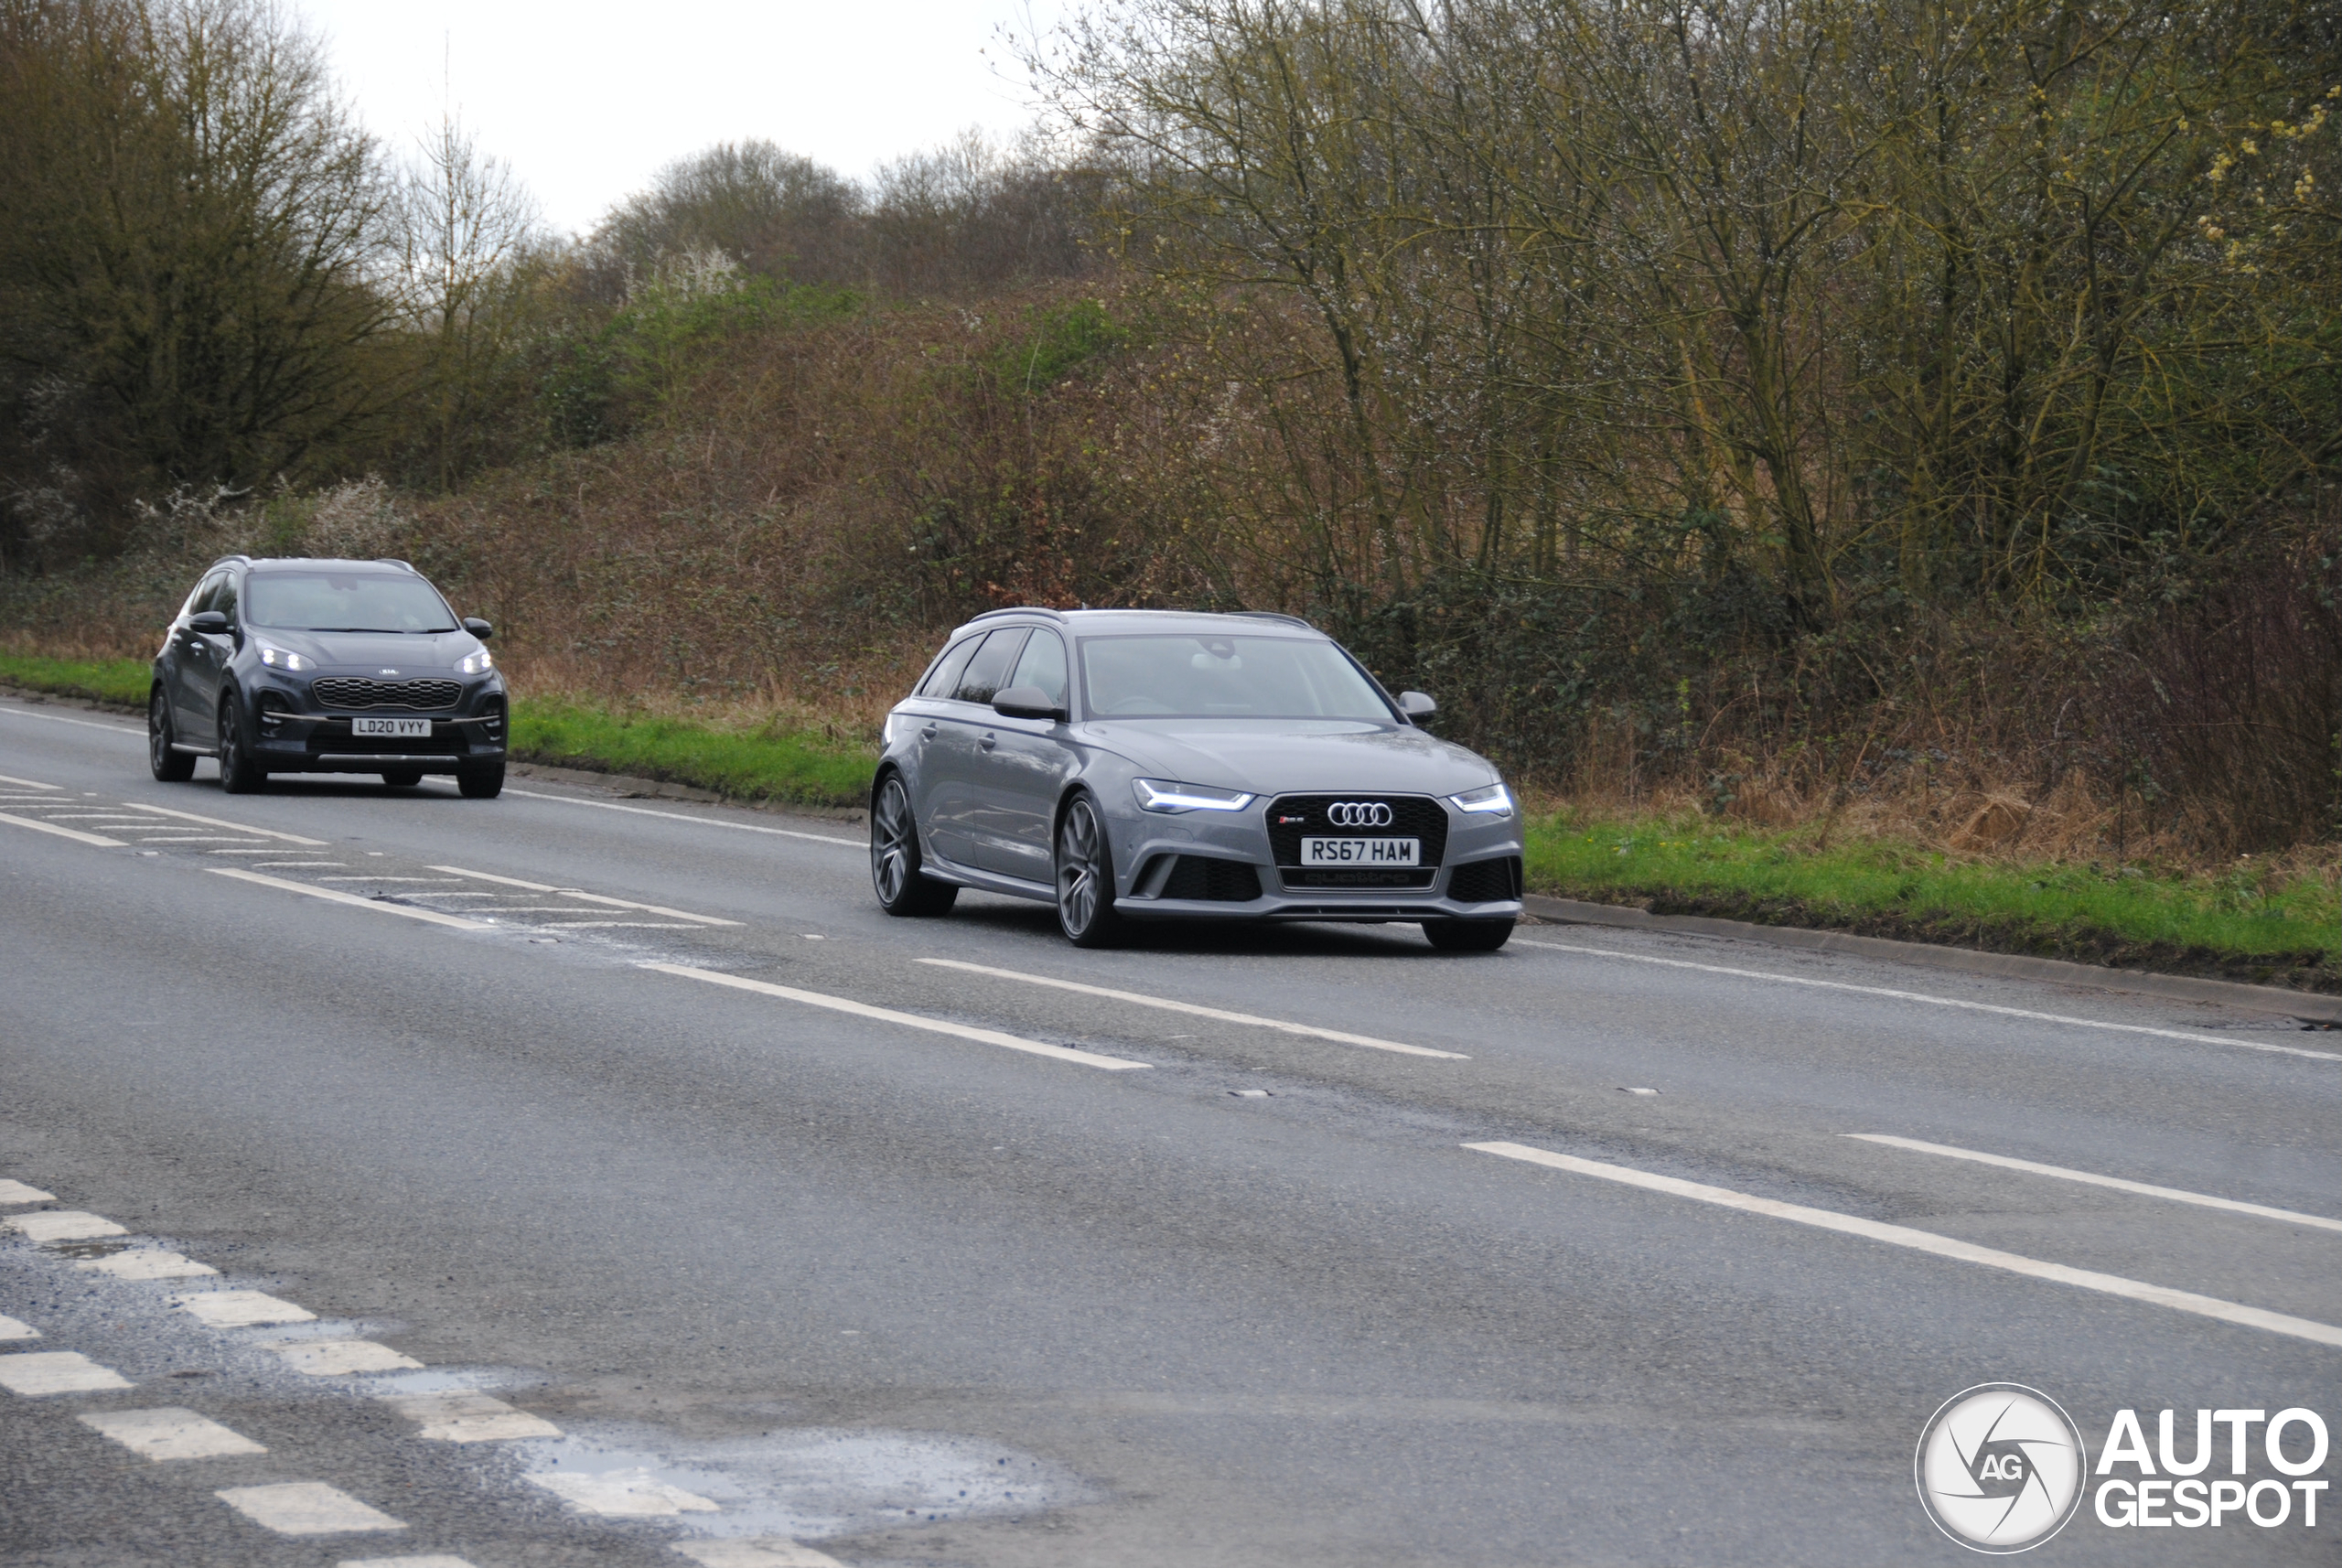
(1485, 881)
(1290, 817)
(1220, 881)
(358, 691)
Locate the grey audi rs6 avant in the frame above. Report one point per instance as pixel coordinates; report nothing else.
(1130, 765)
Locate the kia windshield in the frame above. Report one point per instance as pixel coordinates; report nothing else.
(344, 601)
(1225, 677)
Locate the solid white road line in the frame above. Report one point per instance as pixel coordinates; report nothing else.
(217, 822)
(624, 1494)
(338, 1358)
(1221, 1013)
(169, 1434)
(146, 1264)
(61, 719)
(28, 783)
(18, 1192)
(243, 1308)
(2177, 1195)
(1928, 1241)
(16, 1328)
(590, 897)
(686, 817)
(306, 1507)
(1934, 1000)
(909, 1020)
(767, 1551)
(76, 834)
(337, 897)
(468, 1417)
(37, 1373)
(63, 1225)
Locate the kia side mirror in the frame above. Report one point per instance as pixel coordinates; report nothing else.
(479, 627)
(1417, 705)
(1027, 703)
(211, 623)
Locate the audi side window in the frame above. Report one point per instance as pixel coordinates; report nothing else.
(1043, 665)
(987, 672)
(944, 678)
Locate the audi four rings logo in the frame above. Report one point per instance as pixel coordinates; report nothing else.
(1358, 814)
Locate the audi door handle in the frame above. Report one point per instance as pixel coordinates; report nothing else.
(988, 742)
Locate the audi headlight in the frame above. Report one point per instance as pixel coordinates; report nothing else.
(478, 664)
(1157, 795)
(283, 658)
(1495, 801)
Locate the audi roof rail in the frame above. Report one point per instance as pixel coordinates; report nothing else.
(1015, 610)
(1275, 615)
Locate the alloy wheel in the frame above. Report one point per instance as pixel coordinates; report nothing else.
(1082, 870)
(890, 842)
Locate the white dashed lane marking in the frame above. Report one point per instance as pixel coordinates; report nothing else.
(306, 1507)
(243, 1309)
(624, 1494)
(584, 897)
(38, 1374)
(26, 783)
(1922, 996)
(909, 1020)
(468, 1417)
(96, 841)
(334, 1357)
(2144, 1190)
(1925, 1242)
(146, 1264)
(16, 1328)
(334, 895)
(768, 1553)
(218, 822)
(63, 1225)
(1221, 1013)
(18, 1192)
(169, 1434)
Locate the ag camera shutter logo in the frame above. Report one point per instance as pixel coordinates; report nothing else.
(2000, 1467)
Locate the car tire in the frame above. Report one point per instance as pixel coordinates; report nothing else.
(238, 773)
(1468, 936)
(1085, 876)
(170, 766)
(485, 782)
(402, 777)
(895, 874)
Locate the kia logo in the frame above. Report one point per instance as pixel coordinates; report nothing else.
(390, 671)
(1358, 814)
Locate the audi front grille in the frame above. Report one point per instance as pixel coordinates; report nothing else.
(1291, 818)
(359, 692)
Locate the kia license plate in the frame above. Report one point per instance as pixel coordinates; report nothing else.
(1361, 852)
(405, 729)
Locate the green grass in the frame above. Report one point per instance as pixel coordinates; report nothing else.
(767, 764)
(2246, 915)
(107, 680)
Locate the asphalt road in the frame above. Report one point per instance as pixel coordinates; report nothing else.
(896, 1254)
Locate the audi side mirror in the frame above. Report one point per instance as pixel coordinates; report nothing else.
(1027, 703)
(479, 627)
(211, 623)
(1417, 705)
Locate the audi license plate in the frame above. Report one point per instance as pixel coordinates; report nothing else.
(1361, 852)
(412, 729)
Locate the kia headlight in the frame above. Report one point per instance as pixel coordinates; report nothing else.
(1495, 801)
(478, 664)
(283, 658)
(1159, 795)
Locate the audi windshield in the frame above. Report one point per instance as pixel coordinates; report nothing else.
(1226, 677)
(344, 601)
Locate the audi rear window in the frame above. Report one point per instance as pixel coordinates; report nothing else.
(344, 601)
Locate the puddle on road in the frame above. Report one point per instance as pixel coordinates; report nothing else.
(810, 1483)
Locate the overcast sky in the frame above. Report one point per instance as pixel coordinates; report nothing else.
(585, 99)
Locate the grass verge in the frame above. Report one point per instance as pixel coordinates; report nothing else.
(101, 680)
(2255, 922)
(764, 764)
